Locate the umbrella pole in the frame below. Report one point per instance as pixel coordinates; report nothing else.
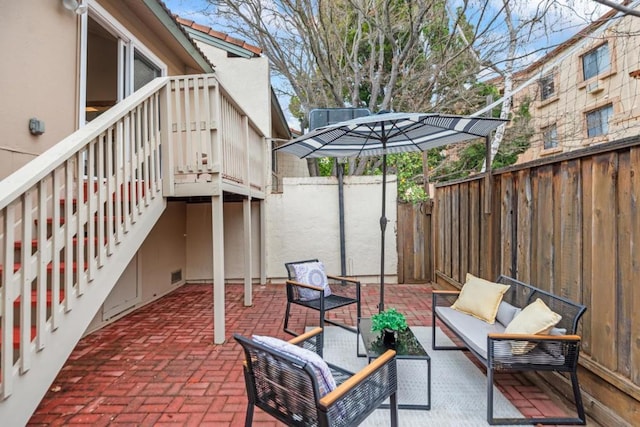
(383, 227)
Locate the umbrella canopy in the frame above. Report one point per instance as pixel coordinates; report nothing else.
(388, 133)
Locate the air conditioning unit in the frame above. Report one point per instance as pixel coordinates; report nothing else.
(594, 87)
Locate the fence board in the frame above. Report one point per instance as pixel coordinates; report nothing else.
(543, 266)
(624, 282)
(447, 237)
(485, 231)
(587, 256)
(634, 326)
(475, 213)
(523, 234)
(440, 231)
(507, 227)
(455, 235)
(464, 231)
(603, 292)
(568, 278)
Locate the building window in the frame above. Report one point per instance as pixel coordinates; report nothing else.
(547, 89)
(598, 121)
(596, 61)
(550, 136)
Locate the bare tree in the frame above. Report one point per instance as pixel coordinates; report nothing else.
(383, 55)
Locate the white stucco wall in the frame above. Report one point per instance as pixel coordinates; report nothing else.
(303, 223)
(248, 82)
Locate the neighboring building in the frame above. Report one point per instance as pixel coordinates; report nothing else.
(585, 91)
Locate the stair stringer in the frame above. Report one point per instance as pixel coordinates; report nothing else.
(30, 387)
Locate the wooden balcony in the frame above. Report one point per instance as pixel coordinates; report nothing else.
(212, 145)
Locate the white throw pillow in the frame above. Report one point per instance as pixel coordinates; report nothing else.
(311, 273)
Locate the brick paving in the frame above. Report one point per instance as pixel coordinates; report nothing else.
(158, 367)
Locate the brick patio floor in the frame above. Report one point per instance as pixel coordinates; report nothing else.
(158, 366)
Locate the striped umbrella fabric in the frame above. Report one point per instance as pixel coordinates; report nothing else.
(389, 133)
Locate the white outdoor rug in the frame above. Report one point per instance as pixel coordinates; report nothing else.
(458, 387)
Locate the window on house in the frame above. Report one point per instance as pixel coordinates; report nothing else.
(598, 121)
(550, 136)
(547, 89)
(596, 61)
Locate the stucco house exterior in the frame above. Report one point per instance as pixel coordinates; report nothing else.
(584, 92)
(132, 161)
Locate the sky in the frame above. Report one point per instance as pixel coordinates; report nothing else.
(569, 16)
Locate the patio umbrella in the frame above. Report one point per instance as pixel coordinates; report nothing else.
(388, 133)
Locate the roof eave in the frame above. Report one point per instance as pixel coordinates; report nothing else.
(164, 15)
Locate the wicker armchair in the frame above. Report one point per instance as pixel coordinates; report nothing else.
(344, 291)
(288, 390)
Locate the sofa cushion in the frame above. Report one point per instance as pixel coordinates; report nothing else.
(480, 298)
(471, 330)
(536, 318)
(311, 273)
(326, 382)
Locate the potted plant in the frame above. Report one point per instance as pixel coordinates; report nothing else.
(389, 322)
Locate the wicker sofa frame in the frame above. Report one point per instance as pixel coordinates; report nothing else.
(287, 388)
(499, 358)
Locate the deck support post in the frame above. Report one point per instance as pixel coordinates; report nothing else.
(217, 222)
(248, 251)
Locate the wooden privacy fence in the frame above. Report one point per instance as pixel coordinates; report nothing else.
(569, 225)
(414, 243)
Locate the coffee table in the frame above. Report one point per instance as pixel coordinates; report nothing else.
(407, 347)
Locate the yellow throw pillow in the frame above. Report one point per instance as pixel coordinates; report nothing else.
(536, 318)
(480, 298)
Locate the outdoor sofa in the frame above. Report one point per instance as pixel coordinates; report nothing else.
(515, 340)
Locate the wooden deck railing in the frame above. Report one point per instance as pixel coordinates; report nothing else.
(209, 133)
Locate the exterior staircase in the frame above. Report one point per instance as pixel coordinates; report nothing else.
(73, 218)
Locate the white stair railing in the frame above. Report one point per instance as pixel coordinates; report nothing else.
(70, 221)
(73, 218)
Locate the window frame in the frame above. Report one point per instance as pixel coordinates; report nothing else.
(545, 81)
(613, 60)
(550, 130)
(603, 125)
(594, 52)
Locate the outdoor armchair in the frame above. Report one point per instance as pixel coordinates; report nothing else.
(290, 389)
(344, 291)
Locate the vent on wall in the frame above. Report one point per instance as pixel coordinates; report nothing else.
(176, 276)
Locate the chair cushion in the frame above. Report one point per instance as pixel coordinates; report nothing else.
(325, 380)
(480, 298)
(311, 273)
(536, 318)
